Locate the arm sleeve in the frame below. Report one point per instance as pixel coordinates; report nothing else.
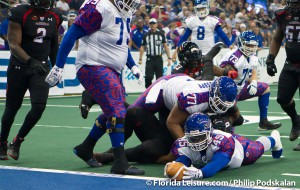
(185, 36)
(130, 62)
(222, 35)
(73, 34)
(54, 49)
(218, 162)
(185, 160)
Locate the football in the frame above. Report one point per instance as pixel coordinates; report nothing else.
(175, 170)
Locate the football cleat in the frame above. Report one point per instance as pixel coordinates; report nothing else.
(3, 150)
(267, 125)
(13, 148)
(86, 154)
(277, 149)
(297, 148)
(295, 132)
(104, 157)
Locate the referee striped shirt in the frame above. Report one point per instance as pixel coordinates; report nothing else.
(153, 42)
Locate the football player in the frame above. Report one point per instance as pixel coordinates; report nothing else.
(33, 38)
(192, 63)
(103, 29)
(200, 67)
(245, 61)
(210, 151)
(288, 27)
(201, 28)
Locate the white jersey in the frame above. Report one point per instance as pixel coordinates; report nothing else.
(243, 65)
(108, 33)
(191, 95)
(203, 31)
(221, 142)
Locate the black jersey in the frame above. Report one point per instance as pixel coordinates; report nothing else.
(38, 29)
(290, 25)
(195, 73)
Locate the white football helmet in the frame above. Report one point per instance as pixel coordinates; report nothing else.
(202, 8)
(127, 7)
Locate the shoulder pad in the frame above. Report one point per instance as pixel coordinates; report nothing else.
(281, 11)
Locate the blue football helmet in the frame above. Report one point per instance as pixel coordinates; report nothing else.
(222, 94)
(201, 8)
(127, 7)
(248, 43)
(198, 131)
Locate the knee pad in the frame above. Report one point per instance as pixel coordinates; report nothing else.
(115, 125)
(239, 121)
(100, 122)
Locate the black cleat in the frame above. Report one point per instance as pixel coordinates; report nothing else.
(297, 148)
(295, 131)
(121, 166)
(87, 101)
(267, 125)
(13, 148)
(104, 157)
(84, 152)
(3, 150)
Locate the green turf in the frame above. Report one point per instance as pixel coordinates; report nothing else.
(50, 143)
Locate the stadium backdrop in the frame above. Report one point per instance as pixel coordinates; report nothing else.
(71, 84)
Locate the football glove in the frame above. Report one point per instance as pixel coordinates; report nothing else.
(252, 87)
(192, 173)
(37, 66)
(138, 74)
(271, 67)
(55, 76)
(231, 73)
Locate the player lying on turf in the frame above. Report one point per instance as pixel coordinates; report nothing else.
(205, 151)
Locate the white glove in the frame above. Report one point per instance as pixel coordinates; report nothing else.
(138, 74)
(55, 76)
(192, 173)
(252, 87)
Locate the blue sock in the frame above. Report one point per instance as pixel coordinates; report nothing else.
(96, 133)
(117, 139)
(272, 141)
(263, 103)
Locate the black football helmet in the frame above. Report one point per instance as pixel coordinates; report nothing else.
(189, 55)
(293, 6)
(41, 4)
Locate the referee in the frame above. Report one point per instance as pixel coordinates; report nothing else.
(154, 40)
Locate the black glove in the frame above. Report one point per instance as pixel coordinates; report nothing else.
(271, 67)
(221, 122)
(37, 66)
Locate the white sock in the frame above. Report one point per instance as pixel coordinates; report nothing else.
(266, 142)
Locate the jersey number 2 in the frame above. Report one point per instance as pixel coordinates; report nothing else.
(120, 21)
(41, 34)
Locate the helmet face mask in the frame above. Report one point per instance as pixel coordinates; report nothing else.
(247, 43)
(198, 131)
(202, 8)
(189, 55)
(41, 4)
(222, 94)
(127, 7)
(293, 6)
